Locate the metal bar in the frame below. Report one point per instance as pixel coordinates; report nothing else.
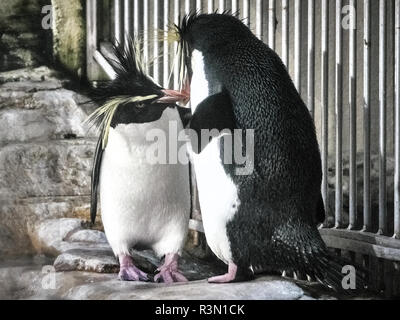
(353, 116)
(210, 6)
(156, 69)
(259, 18)
(246, 12)
(382, 118)
(187, 6)
(235, 6)
(397, 123)
(176, 63)
(271, 24)
(297, 45)
(285, 33)
(127, 20)
(198, 5)
(136, 16)
(102, 61)
(146, 33)
(117, 22)
(324, 97)
(166, 69)
(339, 116)
(367, 117)
(311, 58)
(349, 241)
(221, 6)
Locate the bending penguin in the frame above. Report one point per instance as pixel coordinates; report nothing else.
(266, 219)
(143, 204)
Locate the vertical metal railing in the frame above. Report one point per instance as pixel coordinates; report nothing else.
(382, 118)
(331, 56)
(339, 115)
(285, 32)
(324, 99)
(311, 57)
(367, 118)
(397, 123)
(297, 44)
(271, 24)
(353, 114)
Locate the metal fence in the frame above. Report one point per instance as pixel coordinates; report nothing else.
(344, 58)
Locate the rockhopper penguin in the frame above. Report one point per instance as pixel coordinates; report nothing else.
(143, 205)
(267, 219)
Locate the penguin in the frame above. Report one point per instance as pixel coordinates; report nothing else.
(143, 205)
(267, 219)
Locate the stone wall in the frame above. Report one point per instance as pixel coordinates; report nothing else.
(23, 41)
(45, 154)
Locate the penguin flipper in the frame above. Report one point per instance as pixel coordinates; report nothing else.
(215, 112)
(98, 155)
(320, 213)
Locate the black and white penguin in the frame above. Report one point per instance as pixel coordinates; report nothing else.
(266, 219)
(143, 204)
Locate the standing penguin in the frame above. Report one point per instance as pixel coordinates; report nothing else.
(143, 205)
(267, 219)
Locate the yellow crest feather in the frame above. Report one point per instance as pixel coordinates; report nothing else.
(106, 113)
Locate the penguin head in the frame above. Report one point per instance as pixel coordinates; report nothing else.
(206, 32)
(133, 96)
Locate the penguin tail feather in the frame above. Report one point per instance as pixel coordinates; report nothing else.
(341, 275)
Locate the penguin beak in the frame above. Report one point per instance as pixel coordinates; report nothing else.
(175, 96)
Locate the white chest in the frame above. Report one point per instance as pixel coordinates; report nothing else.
(217, 193)
(143, 203)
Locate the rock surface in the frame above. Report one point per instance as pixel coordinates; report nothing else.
(36, 280)
(85, 268)
(45, 154)
(23, 41)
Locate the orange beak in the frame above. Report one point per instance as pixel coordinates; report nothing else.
(174, 96)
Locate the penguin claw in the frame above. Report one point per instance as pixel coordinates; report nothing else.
(169, 273)
(131, 273)
(169, 277)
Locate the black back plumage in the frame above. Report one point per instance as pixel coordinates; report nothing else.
(281, 204)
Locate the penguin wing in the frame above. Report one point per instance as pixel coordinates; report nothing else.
(215, 112)
(98, 155)
(320, 214)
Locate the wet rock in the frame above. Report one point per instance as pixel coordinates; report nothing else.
(51, 233)
(100, 261)
(92, 236)
(34, 75)
(41, 116)
(265, 288)
(45, 154)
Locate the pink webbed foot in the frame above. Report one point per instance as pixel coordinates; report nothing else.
(129, 272)
(168, 272)
(226, 278)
